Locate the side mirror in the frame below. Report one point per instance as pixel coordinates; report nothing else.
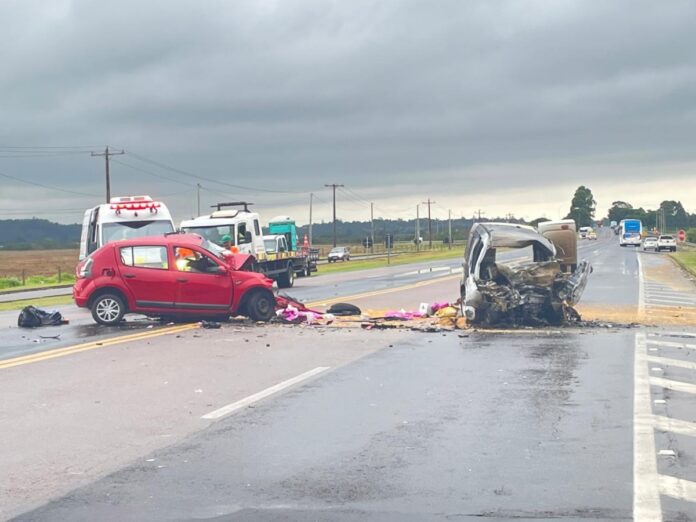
(217, 269)
(247, 237)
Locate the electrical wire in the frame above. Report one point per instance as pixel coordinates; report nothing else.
(197, 176)
(47, 186)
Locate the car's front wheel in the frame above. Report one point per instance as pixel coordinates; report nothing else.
(108, 309)
(261, 306)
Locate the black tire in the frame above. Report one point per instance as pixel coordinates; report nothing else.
(287, 280)
(108, 309)
(261, 306)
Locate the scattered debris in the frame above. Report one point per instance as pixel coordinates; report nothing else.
(32, 317)
(210, 324)
(343, 309)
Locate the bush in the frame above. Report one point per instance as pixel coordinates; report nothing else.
(691, 235)
(9, 282)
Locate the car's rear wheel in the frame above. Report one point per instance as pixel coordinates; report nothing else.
(108, 309)
(261, 306)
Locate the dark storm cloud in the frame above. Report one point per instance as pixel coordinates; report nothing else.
(380, 94)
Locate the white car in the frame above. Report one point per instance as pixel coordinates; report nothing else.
(650, 243)
(667, 243)
(339, 253)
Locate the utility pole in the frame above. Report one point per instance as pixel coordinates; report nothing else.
(107, 154)
(198, 199)
(430, 223)
(479, 214)
(372, 227)
(449, 242)
(334, 186)
(417, 228)
(311, 199)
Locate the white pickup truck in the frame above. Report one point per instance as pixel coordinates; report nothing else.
(666, 243)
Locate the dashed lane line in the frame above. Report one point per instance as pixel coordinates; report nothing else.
(256, 397)
(672, 344)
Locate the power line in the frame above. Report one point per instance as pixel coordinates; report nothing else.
(145, 171)
(46, 186)
(211, 180)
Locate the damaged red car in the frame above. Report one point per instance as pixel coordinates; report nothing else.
(175, 275)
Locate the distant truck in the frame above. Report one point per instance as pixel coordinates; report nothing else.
(243, 228)
(124, 217)
(630, 232)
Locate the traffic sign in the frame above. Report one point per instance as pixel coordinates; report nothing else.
(681, 235)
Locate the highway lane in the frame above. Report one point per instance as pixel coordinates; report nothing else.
(529, 424)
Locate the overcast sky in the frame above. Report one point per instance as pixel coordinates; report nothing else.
(502, 106)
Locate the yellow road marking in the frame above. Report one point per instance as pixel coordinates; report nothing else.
(381, 292)
(93, 345)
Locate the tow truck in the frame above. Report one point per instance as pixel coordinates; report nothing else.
(123, 217)
(235, 224)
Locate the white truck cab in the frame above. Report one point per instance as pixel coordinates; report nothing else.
(124, 217)
(241, 225)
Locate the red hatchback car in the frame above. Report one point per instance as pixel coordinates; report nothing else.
(170, 275)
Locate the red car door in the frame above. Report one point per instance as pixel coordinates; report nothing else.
(145, 271)
(203, 283)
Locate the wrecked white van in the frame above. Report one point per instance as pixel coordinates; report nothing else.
(529, 288)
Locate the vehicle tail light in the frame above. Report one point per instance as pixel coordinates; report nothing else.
(85, 270)
(564, 227)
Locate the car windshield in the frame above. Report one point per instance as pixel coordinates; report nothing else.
(133, 229)
(336, 250)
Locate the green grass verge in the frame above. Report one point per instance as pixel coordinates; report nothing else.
(14, 283)
(687, 260)
(39, 302)
(381, 262)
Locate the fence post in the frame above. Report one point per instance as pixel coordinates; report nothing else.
(24, 277)
(59, 275)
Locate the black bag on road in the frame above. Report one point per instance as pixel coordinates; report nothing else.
(31, 317)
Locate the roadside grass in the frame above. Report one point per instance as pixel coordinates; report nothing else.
(381, 262)
(39, 302)
(687, 260)
(35, 281)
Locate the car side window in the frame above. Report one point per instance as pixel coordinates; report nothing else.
(145, 257)
(188, 260)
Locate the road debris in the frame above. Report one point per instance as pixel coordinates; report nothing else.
(32, 317)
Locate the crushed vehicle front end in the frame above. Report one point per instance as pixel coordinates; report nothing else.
(531, 292)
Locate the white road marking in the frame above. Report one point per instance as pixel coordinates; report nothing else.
(689, 335)
(641, 288)
(678, 488)
(689, 365)
(673, 385)
(678, 426)
(666, 453)
(679, 302)
(672, 344)
(646, 496)
(251, 399)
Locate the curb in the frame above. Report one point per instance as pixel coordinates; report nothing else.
(34, 289)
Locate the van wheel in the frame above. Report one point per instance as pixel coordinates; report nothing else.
(108, 309)
(261, 306)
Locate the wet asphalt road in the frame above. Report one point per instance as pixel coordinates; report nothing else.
(525, 425)
(437, 428)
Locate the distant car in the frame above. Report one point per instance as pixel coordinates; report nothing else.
(666, 243)
(339, 254)
(592, 235)
(170, 276)
(650, 243)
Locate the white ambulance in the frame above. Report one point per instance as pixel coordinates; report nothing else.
(123, 218)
